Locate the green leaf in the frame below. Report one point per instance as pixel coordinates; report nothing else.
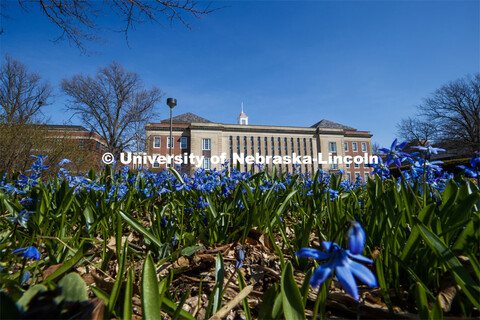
(422, 302)
(219, 277)
(73, 288)
(306, 285)
(127, 303)
(150, 296)
(188, 251)
(463, 278)
(171, 307)
(291, 299)
(119, 280)
(70, 263)
(269, 309)
(242, 285)
(139, 228)
(23, 302)
(414, 238)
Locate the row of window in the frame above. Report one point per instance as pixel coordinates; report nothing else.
(358, 175)
(98, 146)
(333, 146)
(275, 144)
(355, 146)
(157, 142)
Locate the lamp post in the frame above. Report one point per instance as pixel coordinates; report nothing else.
(171, 102)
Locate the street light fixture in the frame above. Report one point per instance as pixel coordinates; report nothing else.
(171, 102)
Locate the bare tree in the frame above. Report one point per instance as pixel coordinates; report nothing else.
(78, 20)
(113, 104)
(454, 110)
(22, 93)
(416, 130)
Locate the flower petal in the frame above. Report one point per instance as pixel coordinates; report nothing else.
(344, 275)
(320, 274)
(394, 144)
(19, 250)
(312, 253)
(363, 273)
(356, 238)
(359, 257)
(327, 245)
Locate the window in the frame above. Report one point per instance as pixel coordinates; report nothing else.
(364, 146)
(206, 164)
(334, 166)
(258, 144)
(156, 164)
(103, 148)
(354, 146)
(243, 121)
(356, 165)
(206, 145)
(366, 176)
(346, 146)
(156, 142)
(347, 165)
(332, 146)
(183, 142)
(168, 142)
(349, 176)
(81, 143)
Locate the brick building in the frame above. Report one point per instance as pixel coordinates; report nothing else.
(195, 135)
(85, 148)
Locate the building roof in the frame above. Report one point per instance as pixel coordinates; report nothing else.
(242, 114)
(187, 118)
(63, 127)
(331, 125)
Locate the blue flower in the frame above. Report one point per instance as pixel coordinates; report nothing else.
(28, 253)
(356, 238)
(64, 161)
(345, 267)
(21, 218)
(394, 154)
(240, 259)
(380, 168)
(38, 165)
(429, 150)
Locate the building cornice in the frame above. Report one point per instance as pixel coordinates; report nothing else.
(255, 129)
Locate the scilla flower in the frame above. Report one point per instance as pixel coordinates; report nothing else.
(28, 253)
(356, 238)
(344, 262)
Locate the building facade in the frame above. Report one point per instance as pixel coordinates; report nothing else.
(194, 135)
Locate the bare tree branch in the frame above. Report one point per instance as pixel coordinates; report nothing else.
(416, 130)
(454, 110)
(22, 93)
(113, 104)
(78, 19)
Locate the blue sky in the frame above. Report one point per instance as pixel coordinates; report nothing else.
(365, 64)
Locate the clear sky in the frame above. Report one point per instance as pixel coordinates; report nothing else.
(365, 64)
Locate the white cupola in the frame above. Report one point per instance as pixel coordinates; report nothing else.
(242, 118)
